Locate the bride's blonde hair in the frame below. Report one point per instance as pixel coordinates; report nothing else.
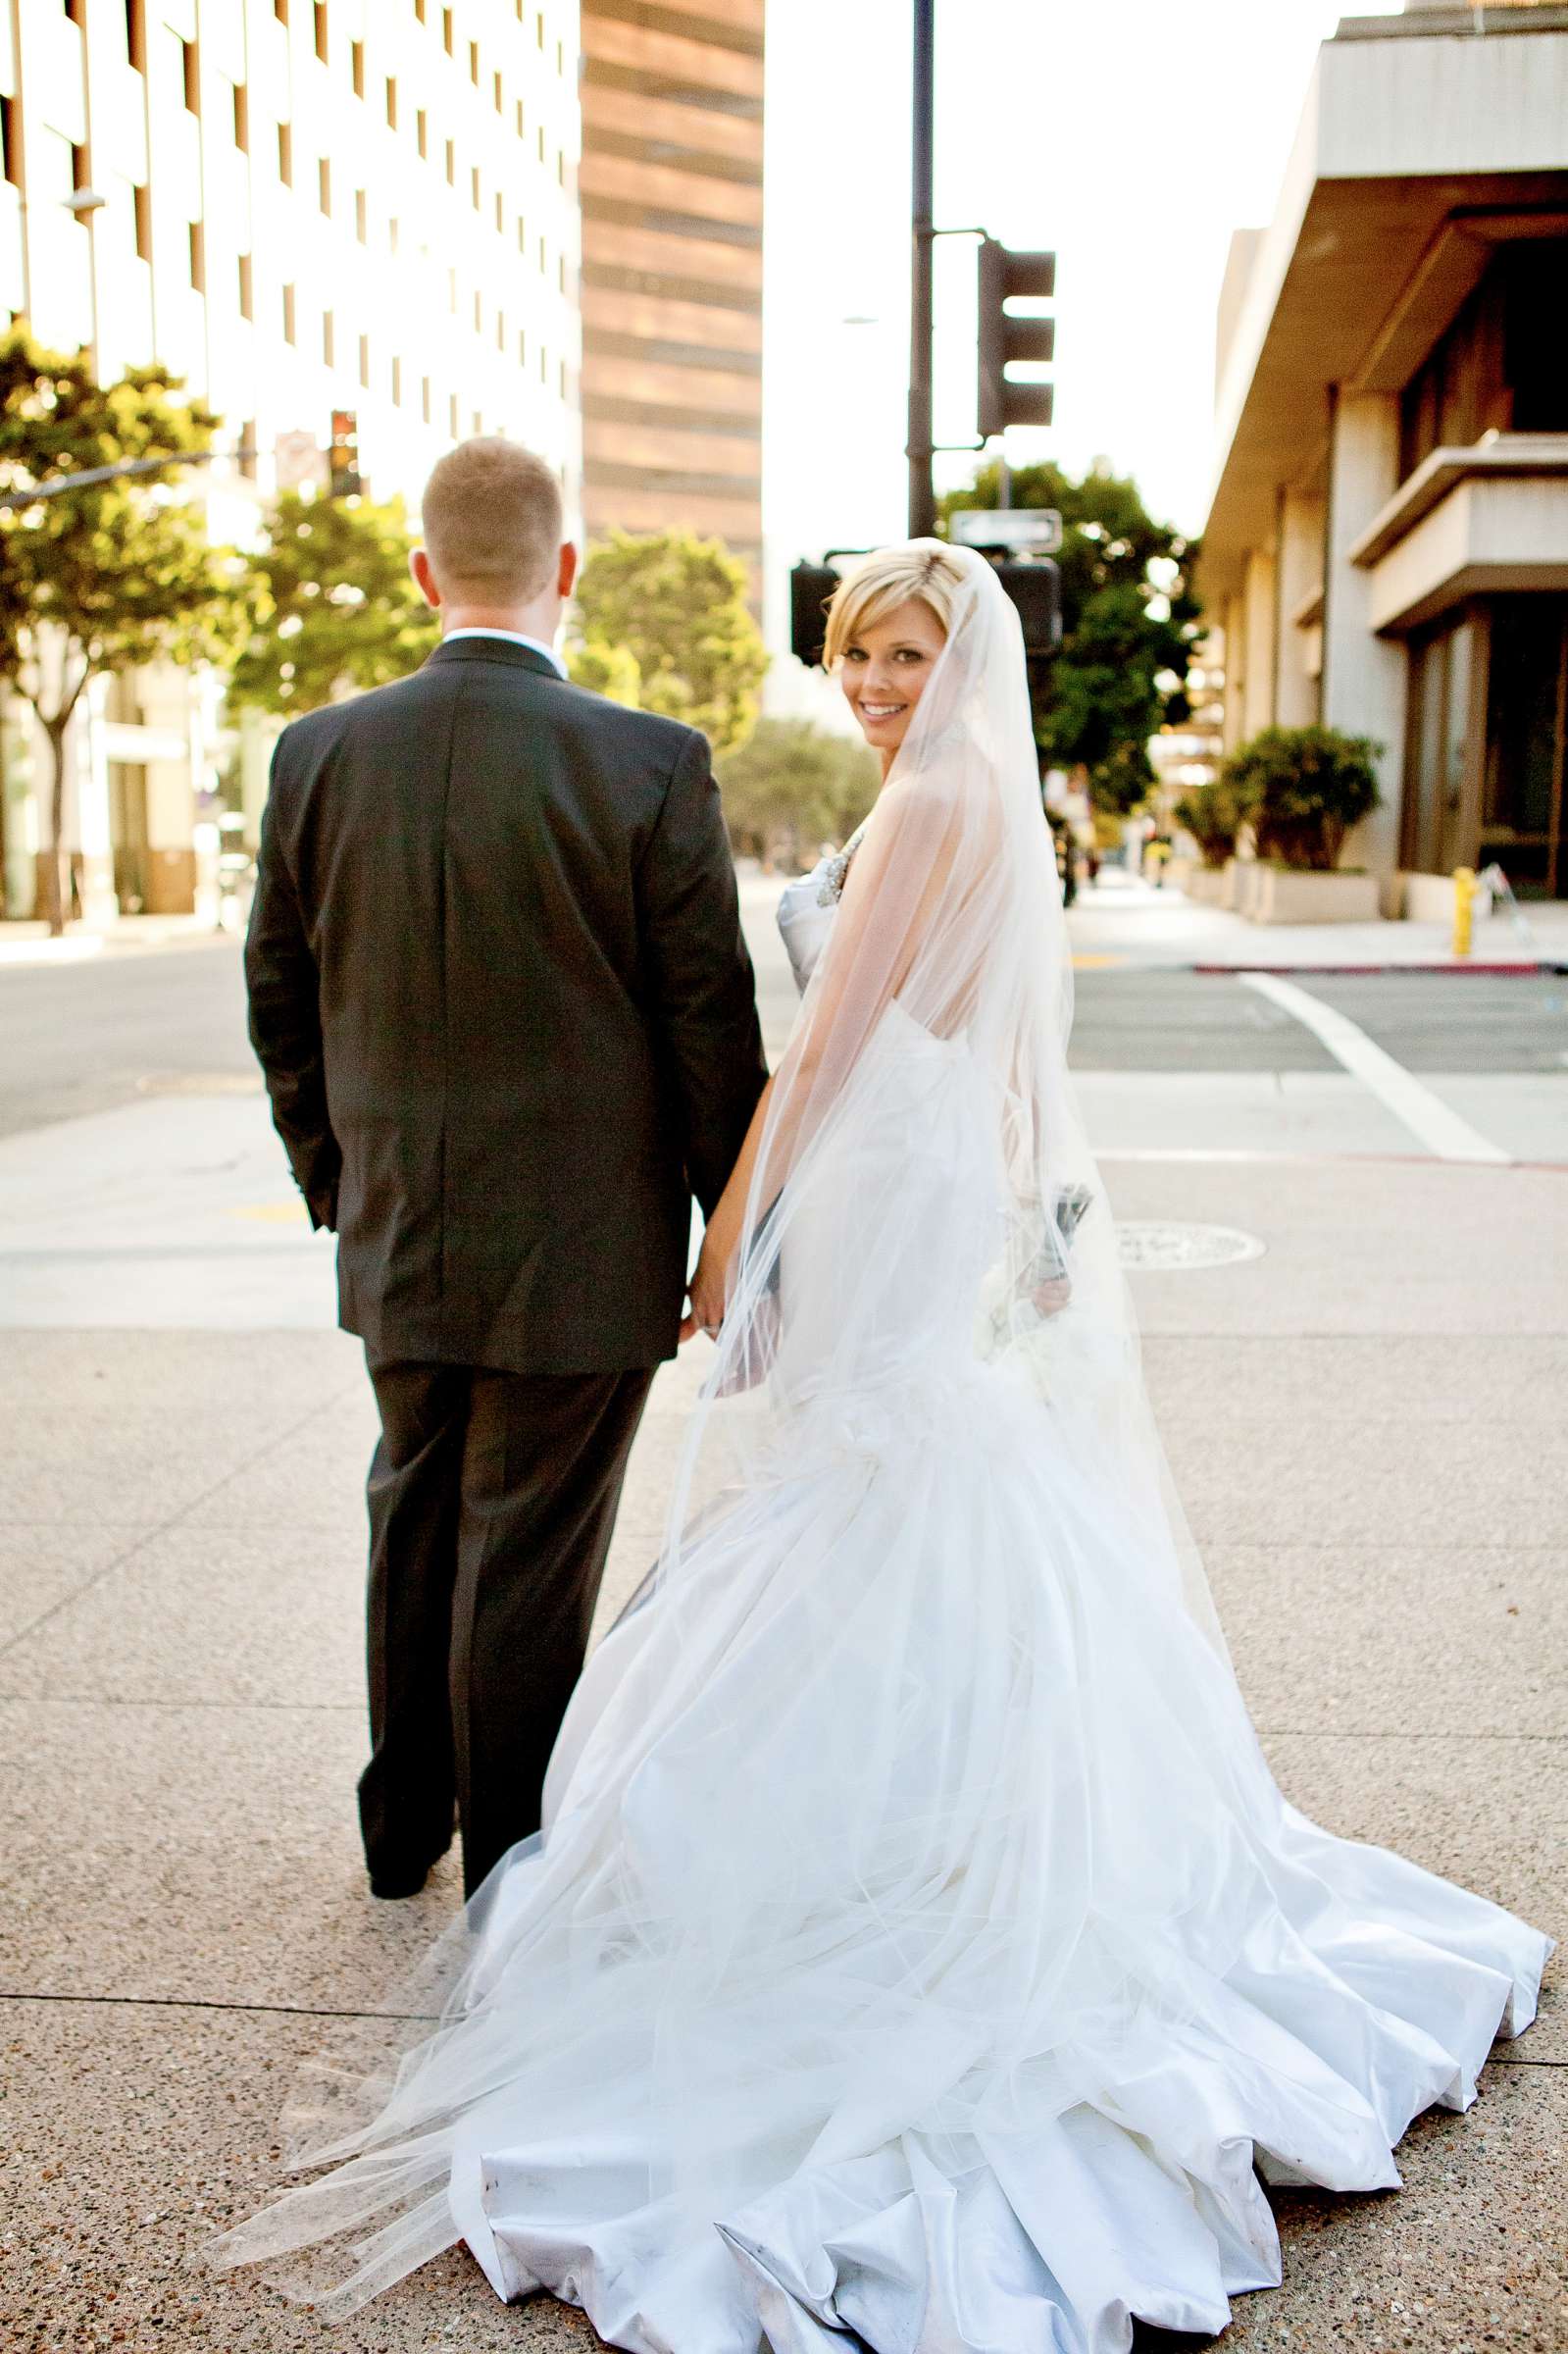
(926, 570)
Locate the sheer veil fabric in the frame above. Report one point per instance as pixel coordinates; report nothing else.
(918, 1950)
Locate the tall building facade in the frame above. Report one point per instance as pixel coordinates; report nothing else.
(299, 206)
(1387, 547)
(672, 268)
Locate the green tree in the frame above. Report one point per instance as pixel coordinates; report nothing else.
(607, 670)
(1129, 621)
(109, 576)
(677, 605)
(333, 604)
(792, 787)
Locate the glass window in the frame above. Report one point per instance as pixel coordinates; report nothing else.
(1439, 813)
(1501, 364)
(1521, 813)
(1535, 360)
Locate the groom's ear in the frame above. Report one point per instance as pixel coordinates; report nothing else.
(568, 572)
(419, 564)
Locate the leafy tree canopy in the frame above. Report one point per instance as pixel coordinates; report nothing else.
(607, 670)
(333, 604)
(792, 787)
(1129, 621)
(107, 575)
(677, 605)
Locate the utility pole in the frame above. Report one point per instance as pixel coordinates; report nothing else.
(922, 495)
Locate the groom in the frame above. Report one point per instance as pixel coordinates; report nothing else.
(500, 995)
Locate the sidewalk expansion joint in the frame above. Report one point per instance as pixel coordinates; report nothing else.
(197, 2002)
(1351, 1732)
(228, 1708)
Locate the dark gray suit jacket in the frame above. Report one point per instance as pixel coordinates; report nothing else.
(506, 1015)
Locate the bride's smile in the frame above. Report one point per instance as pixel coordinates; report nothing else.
(885, 670)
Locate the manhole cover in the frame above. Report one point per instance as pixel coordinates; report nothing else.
(1164, 1245)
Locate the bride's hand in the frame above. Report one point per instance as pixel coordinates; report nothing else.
(709, 1281)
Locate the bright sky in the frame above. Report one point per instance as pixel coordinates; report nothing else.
(1131, 135)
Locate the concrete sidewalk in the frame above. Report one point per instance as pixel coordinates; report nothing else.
(28, 943)
(1366, 1423)
(1124, 920)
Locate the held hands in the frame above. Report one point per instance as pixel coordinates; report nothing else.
(709, 1285)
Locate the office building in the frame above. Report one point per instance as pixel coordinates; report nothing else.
(672, 268)
(1387, 547)
(299, 206)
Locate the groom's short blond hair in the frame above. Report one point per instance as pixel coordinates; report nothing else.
(492, 522)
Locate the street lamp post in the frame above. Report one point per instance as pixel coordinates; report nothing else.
(923, 233)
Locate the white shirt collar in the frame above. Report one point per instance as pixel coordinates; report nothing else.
(535, 645)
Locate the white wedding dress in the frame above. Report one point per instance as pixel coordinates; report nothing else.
(919, 1956)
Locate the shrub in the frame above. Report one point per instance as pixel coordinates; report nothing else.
(1304, 789)
(1214, 814)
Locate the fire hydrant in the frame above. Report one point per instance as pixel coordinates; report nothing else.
(1464, 902)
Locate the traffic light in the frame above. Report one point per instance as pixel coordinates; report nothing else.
(1036, 592)
(342, 462)
(810, 587)
(1001, 399)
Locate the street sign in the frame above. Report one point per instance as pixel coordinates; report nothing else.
(300, 459)
(1037, 530)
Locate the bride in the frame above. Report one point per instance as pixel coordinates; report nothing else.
(918, 1953)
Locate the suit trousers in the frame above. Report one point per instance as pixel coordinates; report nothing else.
(492, 1496)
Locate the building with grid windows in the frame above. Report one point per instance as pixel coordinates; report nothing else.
(672, 268)
(303, 206)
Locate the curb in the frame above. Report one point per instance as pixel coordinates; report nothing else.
(1512, 971)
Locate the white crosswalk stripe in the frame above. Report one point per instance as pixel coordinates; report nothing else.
(1423, 1114)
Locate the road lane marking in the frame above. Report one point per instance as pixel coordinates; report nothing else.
(1423, 1114)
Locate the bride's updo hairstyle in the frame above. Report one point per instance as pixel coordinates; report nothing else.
(926, 571)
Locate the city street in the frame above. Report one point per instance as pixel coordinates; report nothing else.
(1343, 1203)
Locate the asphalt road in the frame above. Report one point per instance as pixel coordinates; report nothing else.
(83, 1038)
(1162, 1019)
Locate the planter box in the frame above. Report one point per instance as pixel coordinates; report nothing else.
(1245, 885)
(1207, 886)
(1429, 899)
(1296, 895)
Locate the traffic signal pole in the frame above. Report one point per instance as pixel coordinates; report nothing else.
(923, 236)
